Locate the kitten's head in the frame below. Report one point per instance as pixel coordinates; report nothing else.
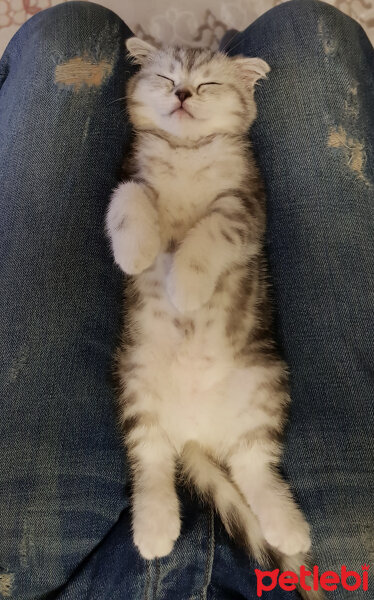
(192, 93)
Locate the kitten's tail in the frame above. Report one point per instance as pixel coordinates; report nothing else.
(213, 484)
(215, 487)
(293, 563)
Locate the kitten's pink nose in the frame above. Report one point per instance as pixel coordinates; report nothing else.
(183, 94)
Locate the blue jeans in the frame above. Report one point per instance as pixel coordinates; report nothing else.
(64, 525)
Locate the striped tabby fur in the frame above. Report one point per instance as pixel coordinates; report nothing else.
(204, 392)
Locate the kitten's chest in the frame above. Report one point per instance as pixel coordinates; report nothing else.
(187, 180)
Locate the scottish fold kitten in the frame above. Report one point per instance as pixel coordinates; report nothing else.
(203, 391)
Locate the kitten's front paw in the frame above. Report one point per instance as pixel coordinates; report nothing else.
(156, 531)
(288, 533)
(133, 227)
(133, 251)
(189, 285)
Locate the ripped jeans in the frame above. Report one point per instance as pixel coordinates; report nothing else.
(64, 505)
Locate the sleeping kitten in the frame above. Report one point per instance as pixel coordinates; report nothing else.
(202, 385)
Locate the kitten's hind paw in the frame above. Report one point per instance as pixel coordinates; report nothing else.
(155, 536)
(289, 534)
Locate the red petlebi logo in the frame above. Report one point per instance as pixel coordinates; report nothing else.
(328, 580)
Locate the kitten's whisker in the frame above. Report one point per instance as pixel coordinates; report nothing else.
(236, 45)
(117, 100)
(229, 41)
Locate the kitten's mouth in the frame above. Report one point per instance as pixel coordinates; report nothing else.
(181, 111)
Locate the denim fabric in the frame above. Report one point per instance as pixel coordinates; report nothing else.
(64, 524)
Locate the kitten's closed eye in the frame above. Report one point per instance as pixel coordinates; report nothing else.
(207, 83)
(164, 77)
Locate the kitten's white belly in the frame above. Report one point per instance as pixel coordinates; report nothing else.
(189, 398)
(193, 385)
(213, 405)
(185, 389)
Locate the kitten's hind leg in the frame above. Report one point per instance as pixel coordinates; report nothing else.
(254, 471)
(155, 507)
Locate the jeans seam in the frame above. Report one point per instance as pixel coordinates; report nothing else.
(210, 556)
(147, 581)
(157, 578)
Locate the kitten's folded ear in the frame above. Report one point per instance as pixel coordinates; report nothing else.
(251, 69)
(139, 49)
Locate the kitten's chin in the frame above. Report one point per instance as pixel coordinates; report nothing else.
(185, 127)
(179, 124)
(188, 127)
